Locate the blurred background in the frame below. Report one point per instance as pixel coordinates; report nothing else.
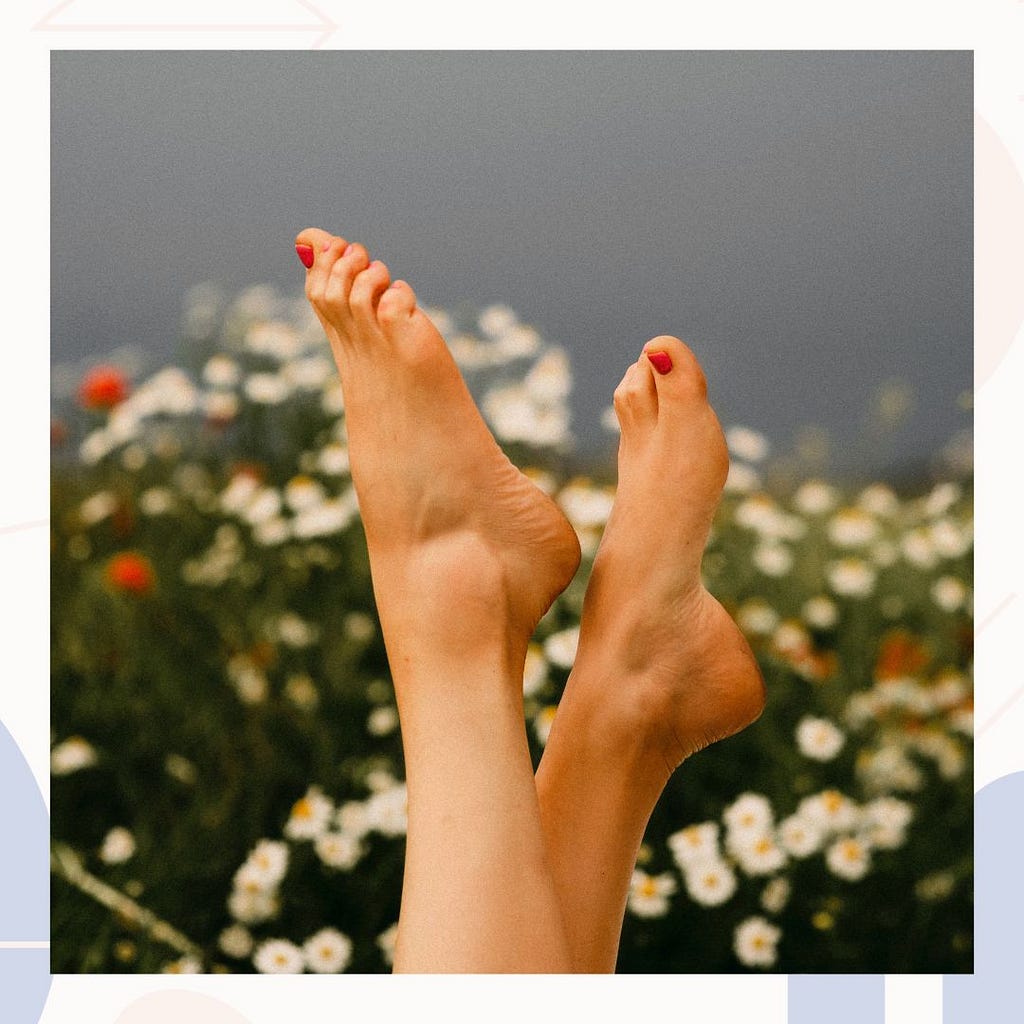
(227, 780)
(804, 220)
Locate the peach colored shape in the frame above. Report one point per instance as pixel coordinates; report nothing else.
(998, 250)
(173, 1006)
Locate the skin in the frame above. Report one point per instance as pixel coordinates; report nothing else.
(504, 872)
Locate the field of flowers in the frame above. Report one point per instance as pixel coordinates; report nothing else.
(227, 783)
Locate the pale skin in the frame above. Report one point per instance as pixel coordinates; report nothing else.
(506, 872)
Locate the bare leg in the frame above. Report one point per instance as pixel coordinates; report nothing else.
(466, 555)
(661, 670)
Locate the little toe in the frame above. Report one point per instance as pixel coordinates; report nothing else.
(636, 399)
(676, 370)
(367, 289)
(352, 260)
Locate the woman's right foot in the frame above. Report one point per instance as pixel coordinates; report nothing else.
(467, 553)
(660, 663)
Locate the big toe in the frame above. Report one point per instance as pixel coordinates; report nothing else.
(311, 241)
(677, 374)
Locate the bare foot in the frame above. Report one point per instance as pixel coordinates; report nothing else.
(463, 547)
(658, 654)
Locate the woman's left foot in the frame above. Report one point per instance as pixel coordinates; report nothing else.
(661, 667)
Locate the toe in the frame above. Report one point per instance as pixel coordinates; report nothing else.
(676, 370)
(396, 304)
(326, 253)
(636, 399)
(352, 260)
(367, 289)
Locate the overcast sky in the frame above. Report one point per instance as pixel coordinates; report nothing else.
(803, 220)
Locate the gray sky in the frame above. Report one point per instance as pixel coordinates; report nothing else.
(803, 220)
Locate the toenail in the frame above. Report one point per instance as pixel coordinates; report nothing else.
(661, 361)
(305, 253)
(326, 245)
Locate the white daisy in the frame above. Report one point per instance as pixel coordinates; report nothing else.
(253, 907)
(387, 812)
(302, 492)
(791, 638)
(156, 501)
(747, 444)
(758, 854)
(820, 612)
(329, 516)
(359, 626)
(236, 941)
(328, 951)
(772, 559)
(830, 810)
(560, 648)
(749, 815)
(851, 577)
(382, 720)
(221, 406)
(756, 617)
(800, 836)
(950, 539)
(649, 894)
(755, 941)
(221, 371)
(340, 850)
(496, 319)
(72, 755)
(266, 388)
(585, 504)
(818, 738)
(849, 858)
(351, 818)
(549, 380)
(710, 882)
(815, 498)
(278, 956)
(333, 459)
(118, 846)
(918, 549)
(294, 631)
(268, 861)
(940, 499)
(948, 593)
(852, 528)
(310, 815)
(694, 843)
(878, 500)
(97, 507)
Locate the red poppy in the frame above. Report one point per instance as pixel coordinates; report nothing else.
(131, 572)
(103, 387)
(900, 654)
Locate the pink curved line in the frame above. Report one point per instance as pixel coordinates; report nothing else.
(28, 525)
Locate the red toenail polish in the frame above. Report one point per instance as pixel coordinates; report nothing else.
(661, 361)
(305, 253)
